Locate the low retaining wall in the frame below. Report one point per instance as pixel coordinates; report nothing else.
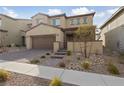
(92, 47)
(57, 46)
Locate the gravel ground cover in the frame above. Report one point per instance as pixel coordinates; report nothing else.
(17, 79)
(98, 64)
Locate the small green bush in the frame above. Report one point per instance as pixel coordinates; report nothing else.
(43, 57)
(34, 61)
(69, 53)
(9, 46)
(56, 82)
(4, 75)
(78, 58)
(121, 56)
(62, 64)
(47, 53)
(86, 64)
(113, 69)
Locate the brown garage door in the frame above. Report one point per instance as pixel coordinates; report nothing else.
(43, 42)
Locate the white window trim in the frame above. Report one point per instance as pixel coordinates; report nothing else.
(57, 22)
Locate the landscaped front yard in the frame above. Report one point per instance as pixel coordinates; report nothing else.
(108, 64)
(103, 64)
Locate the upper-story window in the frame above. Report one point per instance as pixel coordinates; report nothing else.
(0, 22)
(56, 22)
(85, 20)
(72, 22)
(77, 21)
(39, 20)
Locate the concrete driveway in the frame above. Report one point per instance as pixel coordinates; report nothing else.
(22, 56)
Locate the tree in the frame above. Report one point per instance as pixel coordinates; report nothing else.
(84, 34)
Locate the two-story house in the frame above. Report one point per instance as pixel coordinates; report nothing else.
(46, 30)
(12, 28)
(42, 30)
(112, 31)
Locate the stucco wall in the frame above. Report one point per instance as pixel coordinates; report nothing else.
(10, 25)
(93, 47)
(43, 18)
(62, 21)
(114, 39)
(56, 46)
(44, 30)
(116, 22)
(14, 28)
(21, 25)
(65, 22)
(89, 21)
(3, 38)
(28, 42)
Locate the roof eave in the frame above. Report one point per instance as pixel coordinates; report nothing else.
(43, 24)
(93, 13)
(118, 11)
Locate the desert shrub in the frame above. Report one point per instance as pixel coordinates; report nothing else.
(18, 45)
(56, 82)
(43, 57)
(69, 53)
(62, 64)
(113, 69)
(121, 56)
(4, 75)
(86, 64)
(34, 61)
(8, 45)
(47, 53)
(78, 58)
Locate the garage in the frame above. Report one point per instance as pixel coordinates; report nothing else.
(43, 36)
(43, 42)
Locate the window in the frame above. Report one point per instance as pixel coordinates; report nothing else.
(56, 22)
(77, 21)
(39, 20)
(85, 20)
(0, 22)
(72, 21)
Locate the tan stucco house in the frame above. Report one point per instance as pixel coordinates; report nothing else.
(14, 29)
(112, 31)
(44, 31)
(3, 38)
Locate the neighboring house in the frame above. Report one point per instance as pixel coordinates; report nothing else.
(112, 31)
(14, 29)
(58, 28)
(3, 38)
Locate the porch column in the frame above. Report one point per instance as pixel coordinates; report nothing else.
(56, 46)
(28, 42)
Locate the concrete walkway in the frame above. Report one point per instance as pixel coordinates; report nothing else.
(68, 76)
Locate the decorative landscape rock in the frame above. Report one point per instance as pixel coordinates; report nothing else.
(74, 66)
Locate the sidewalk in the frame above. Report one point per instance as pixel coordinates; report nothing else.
(68, 76)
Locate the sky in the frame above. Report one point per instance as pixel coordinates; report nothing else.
(102, 12)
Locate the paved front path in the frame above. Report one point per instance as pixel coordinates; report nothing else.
(23, 55)
(68, 76)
